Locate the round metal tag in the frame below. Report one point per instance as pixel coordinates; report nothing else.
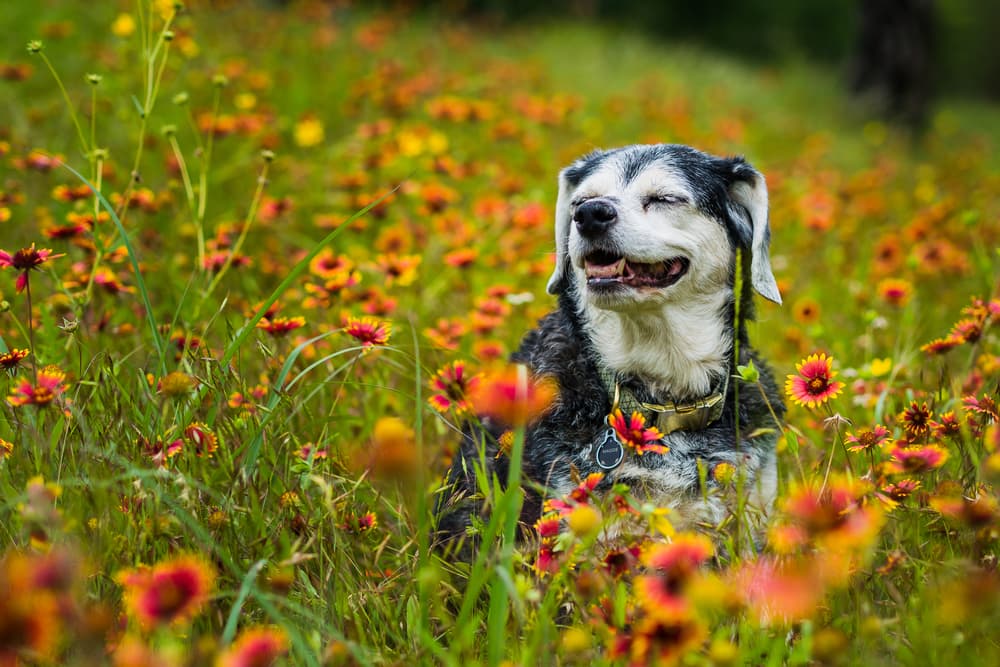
(609, 452)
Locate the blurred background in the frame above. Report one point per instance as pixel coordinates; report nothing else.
(897, 54)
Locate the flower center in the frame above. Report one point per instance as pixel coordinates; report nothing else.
(817, 385)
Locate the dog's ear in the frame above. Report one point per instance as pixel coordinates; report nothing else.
(557, 283)
(749, 190)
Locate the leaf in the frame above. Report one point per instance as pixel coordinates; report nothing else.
(792, 442)
(749, 373)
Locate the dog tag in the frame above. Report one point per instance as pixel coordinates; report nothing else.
(609, 451)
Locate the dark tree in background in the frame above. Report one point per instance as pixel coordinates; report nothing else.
(892, 67)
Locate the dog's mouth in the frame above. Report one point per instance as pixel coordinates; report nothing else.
(605, 269)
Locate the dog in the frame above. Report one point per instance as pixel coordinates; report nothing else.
(648, 319)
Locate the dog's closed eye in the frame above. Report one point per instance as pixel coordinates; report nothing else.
(662, 198)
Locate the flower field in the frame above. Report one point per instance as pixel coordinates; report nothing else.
(260, 262)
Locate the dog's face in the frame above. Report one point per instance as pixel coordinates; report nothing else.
(643, 226)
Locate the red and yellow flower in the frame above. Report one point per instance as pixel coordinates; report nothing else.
(368, 331)
(634, 434)
(171, 592)
(814, 383)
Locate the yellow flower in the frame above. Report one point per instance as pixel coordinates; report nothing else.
(881, 366)
(584, 520)
(309, 132)
(245, 101)
(123, 25)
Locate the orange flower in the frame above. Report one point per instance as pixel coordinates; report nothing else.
(50, 385)
(25, 260)
(895, 291)
(662, 639)
(814, 385)
(368, 331)
(452, 384)
(201, 436)
(779, 592)
(916, 420)
(867, 439)
(393, 451)
(918, 459)
(9, 361)
(634, 434)
(173, 591)
(512, 396)
(281, 326)
(256, 647)
(671, 568)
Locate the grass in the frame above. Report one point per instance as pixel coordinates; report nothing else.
(340, 164)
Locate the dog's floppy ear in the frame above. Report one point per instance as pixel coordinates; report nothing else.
(749, 190)
(557, 283)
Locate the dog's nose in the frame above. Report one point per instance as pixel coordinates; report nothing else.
(594, 217)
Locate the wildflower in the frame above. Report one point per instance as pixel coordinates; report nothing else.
(918, 459)
(880, 367)
(393, 450)
(867, 439)
(256, 647)
(368, 331)
(777, 591)
(584, 520)
(916, 420)
(834, 515)
(512, 396)
(662, 639)
(176, 384)
(173, 591)
(9, 361)
(452, 384)
(281, 326)
(309, 132)
(618, 562)
(947, 427)
(289, 499)
(6, 448)
(814, 385)
(634, 434)
(399, 269)
(201, 436)
(984, 405)
(160, 452)
(901, 490)
(25, 260)
(123, 25)
(671, 567)
(461, 258)
(50, 384)
(806, 311)
(547, 526)
(580, 495)
(895, 291)
(310, 451)
(546, 562)
(326, 265)
(941, 345)
(975, 512)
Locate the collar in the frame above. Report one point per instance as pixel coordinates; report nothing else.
(669, 416)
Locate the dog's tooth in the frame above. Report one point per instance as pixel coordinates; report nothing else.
(620, 267)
